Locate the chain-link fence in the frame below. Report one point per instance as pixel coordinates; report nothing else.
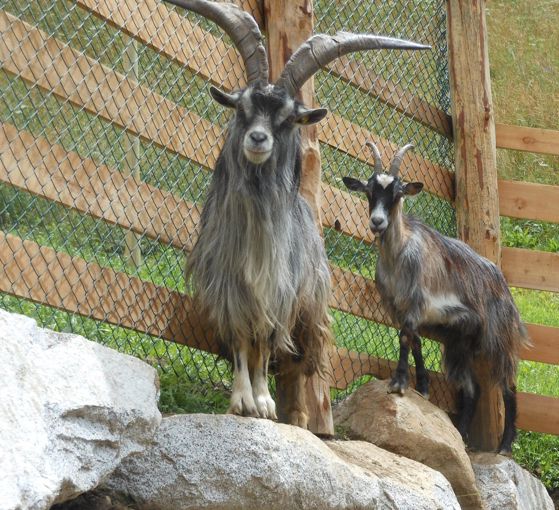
(108, 138)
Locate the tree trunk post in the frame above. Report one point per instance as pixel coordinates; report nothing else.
(477, 203)
(288, 24)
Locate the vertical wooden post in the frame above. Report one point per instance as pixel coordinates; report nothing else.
(477, 202)
(288, 24)
(131, 146)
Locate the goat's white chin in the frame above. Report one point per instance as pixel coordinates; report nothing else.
(257, 157)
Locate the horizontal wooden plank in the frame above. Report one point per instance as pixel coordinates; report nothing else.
(529, 201)
(531, 269)
(538, 413)
(117, 99)
(348, 366)
(44, 61)
(48, 171)
(365, 79)
(350, 138)
(345, 213)
(545, 141)
(167, 31)
(545, 340)
(69, 283)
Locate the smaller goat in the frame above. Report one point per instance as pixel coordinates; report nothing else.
(439, 287)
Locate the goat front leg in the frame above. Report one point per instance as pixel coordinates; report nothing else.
(400, 380)
(242, 400)
(421, 375)
(265, 404)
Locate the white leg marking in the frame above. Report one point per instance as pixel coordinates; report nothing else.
(242, 401)
(264, 402)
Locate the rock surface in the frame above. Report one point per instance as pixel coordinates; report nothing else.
(504, 485)
(410, 426)
(70, 411)
(229, 462)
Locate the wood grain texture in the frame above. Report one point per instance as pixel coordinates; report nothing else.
(288, 24)
(34, 165)
(477, 203)
(43, 275)
(44, 61)
(544, 141)
(529, 201)
(545, 340)
(531, 269)
(538, 413)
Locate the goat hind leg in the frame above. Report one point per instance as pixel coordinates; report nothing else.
(290, 384)
(242, 401)
(469, 398)
(509, 433)
(265, 404)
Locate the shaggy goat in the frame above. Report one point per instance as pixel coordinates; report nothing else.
(259, 268)
(441, 288)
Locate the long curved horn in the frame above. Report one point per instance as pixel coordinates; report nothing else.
(241, 27)
(376, 155)
(319, 50)
(397, 160)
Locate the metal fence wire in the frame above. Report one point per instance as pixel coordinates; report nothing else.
(108, 138)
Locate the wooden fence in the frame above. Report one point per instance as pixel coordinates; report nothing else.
(33, 164)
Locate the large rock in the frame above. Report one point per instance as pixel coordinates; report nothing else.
(504, 485)
(228, 462)
(410, 426)
(70, 411)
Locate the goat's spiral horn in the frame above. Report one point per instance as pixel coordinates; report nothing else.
(397, 160)
(241, 27)
(376, 156)
(319, 50)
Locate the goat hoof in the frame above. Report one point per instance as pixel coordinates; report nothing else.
(242, 405)
(266, 407)
(299, 419)
(397, 386)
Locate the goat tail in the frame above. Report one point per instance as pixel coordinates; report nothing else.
(504, 362)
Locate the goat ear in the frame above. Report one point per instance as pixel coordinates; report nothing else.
(307, 116)
(413, 188)
(224, 99)
(354, 184)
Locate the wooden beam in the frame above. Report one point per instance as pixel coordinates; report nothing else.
(170, 33)
(34, 165)
(50, 64)
(545, 340)
(367, 81)
(348, 366)
(69, 283)
(477, 201)
(350, 138)
(531, 269)
(545, 141)
(288, 24)
(538, 413)
(529, 201)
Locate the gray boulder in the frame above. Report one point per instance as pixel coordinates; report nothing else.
(227, 462)
(504, 485)
(70, 411)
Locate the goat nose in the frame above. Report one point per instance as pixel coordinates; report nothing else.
(377, 221)
(258, 136)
